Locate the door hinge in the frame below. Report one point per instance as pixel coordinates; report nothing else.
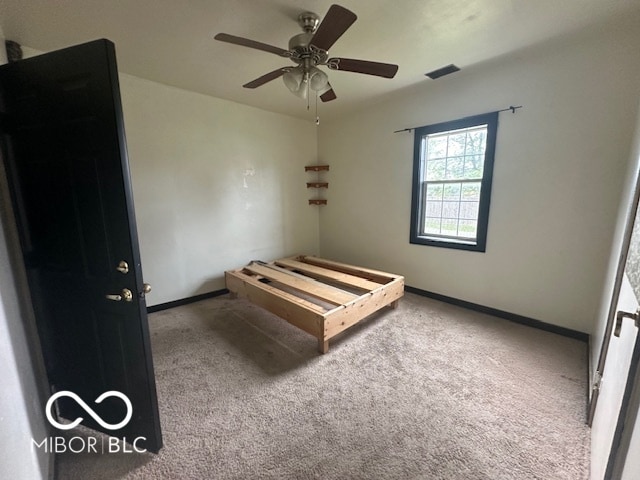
(620, 315)
(597, 381)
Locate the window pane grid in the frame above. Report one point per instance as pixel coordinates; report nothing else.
(450, 216)
(454, 155)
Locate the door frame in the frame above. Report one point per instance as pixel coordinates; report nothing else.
(615, 294)
(627, 413)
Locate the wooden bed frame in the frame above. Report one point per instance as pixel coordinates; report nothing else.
(319, 296)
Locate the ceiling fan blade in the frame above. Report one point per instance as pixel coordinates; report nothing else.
(267, 77)
(245, 42)
(328, 95)
(337, 20)
(386, 70)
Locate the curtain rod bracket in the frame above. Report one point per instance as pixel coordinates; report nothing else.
(511, 108)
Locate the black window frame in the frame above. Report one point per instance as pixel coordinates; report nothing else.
(417, 201)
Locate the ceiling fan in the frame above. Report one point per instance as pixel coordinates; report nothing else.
(310, 50)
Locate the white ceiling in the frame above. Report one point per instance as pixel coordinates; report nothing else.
(171, 41)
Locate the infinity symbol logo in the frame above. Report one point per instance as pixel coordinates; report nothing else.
(87, 408)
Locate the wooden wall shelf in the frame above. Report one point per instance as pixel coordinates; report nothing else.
(316, 168)
(318, 184)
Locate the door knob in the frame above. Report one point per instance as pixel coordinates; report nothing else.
(125, 295)
(146, 288)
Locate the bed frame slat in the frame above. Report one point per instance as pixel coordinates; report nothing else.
(373, 275)
(305, 286)
(331, 275)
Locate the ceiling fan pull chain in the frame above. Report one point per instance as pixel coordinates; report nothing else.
(317, 117)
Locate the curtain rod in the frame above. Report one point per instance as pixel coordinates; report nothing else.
(510, 108)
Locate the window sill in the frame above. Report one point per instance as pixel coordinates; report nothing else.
(448, 243)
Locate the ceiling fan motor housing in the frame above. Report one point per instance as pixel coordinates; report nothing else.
(299, 46)
(308, 21)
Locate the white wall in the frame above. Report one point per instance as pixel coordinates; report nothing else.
(21, 408)
(559, 167)
(216, 184)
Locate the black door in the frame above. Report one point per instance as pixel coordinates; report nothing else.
(64, 148)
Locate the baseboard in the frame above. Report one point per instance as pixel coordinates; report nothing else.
(531, 322)
(589, 381)
(186, 301)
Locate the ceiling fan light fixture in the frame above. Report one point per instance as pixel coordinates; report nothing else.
(303, 90)
(293, 78)
(297, 81)
(318, 80)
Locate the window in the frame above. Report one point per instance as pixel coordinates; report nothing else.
(452, 170)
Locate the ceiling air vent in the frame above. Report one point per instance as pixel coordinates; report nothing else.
(441, 72)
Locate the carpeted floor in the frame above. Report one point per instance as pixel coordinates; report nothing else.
(426, 391)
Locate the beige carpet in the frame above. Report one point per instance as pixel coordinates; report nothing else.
(426, 391)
